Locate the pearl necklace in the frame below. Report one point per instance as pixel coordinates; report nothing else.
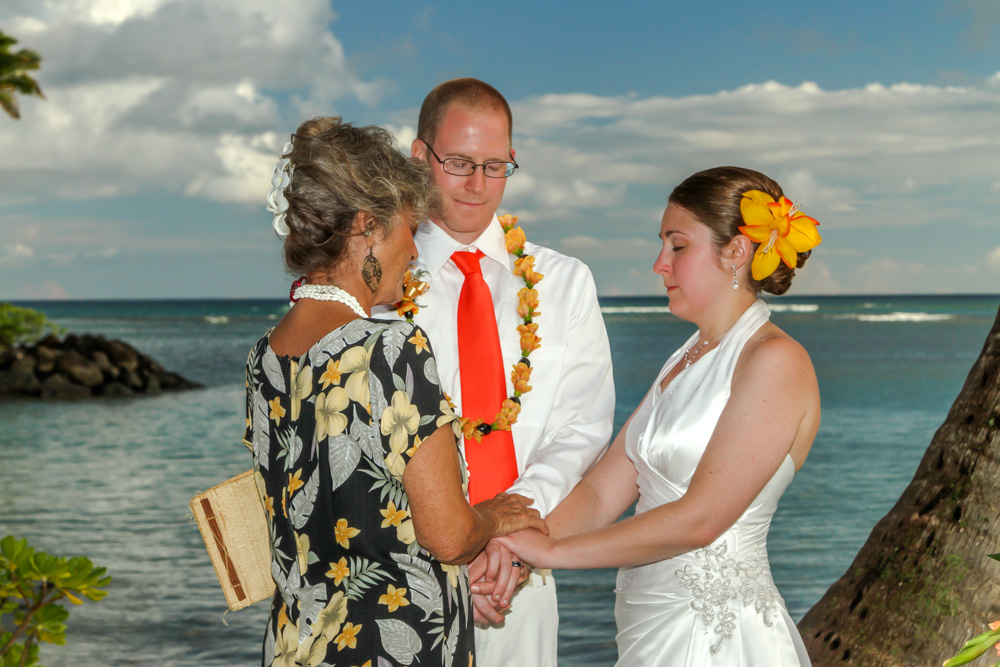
(328, 293)
(691, 354)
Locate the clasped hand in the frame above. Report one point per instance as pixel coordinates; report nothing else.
(492, 572)
(494, 579)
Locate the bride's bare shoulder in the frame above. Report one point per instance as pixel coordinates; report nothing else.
(771, 351)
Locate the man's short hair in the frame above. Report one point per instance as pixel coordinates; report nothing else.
(472, 93)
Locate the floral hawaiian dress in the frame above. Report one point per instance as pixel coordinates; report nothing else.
(331, 433)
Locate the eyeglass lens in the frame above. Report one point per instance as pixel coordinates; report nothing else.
(467, 168)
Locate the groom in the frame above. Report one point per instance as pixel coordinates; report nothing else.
(464, 135)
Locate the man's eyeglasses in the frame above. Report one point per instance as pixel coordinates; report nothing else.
(459, 167)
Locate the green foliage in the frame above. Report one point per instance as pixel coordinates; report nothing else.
(14, 79)
(33, 587)
(978, 645)
(974, 648)
(23, 325)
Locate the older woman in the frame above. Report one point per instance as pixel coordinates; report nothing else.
(351, 434)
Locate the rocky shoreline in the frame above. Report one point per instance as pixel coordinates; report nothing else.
(83, 366)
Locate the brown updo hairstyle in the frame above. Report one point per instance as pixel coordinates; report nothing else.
(339, 171)
(713, 197)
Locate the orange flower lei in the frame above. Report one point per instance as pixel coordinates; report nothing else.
(527, 309)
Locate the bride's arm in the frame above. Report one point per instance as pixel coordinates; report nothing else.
(603, 494)
(773, 410)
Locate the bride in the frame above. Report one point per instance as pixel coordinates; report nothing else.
(709, 451)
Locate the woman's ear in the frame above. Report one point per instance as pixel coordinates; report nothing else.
(737, 251)
(363, 224)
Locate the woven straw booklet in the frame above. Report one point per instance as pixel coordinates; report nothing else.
(232, 522)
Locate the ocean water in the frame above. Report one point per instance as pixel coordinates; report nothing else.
(112, 479)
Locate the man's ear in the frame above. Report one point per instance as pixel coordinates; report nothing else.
(418, 149)
(512, 153)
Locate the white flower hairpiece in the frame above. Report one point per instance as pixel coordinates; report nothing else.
(276, 202)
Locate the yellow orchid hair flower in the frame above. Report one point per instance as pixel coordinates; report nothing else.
(780, 228)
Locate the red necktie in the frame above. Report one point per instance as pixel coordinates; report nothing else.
(492, 463)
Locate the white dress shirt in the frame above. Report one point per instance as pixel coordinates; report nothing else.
(566, 418)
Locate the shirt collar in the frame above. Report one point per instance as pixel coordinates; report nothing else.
(436, 245)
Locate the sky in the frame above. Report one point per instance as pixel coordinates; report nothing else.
(143, 173)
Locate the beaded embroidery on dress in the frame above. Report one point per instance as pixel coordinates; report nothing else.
(719, 581)
(717, 605)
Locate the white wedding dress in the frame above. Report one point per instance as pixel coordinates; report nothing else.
(717, 605)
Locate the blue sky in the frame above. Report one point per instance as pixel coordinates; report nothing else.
(144, 172)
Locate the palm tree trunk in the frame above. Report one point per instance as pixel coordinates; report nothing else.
(922, 584)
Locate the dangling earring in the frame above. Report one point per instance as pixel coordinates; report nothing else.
(371, 268)
(736, 282)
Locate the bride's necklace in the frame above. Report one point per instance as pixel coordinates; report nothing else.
(691, 354)
(328, 293)
(527, 307)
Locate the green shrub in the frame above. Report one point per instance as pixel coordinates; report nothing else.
(33, 586)
(23, 325)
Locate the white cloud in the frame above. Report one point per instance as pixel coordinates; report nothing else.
(145, 94)
(103, 12)
(609, 248)
(11, 253)
(993, 258)
(843, 153)
(246, 162)
(195, 98)
(815, 278)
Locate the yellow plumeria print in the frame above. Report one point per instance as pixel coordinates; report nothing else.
(357, 362)
(302, 382)
(302, 551)
(277, 412)
(405, 532)
(447, 413)
(312, 652)
(286, 646)
(419, 341)
(392, 515)
(343, 533)
(399, 421)
(416, 445)
(295, 482)
(329, 620)
(452, 572)
(394, 598)
(348, 637)
(338, 571)
(330, 418)
(283, 617)
(332, 373)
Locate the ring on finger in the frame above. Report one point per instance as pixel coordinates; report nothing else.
(516, 563)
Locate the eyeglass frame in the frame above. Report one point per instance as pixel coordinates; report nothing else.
(474, 165)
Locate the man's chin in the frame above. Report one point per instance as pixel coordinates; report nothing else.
(465, 226)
